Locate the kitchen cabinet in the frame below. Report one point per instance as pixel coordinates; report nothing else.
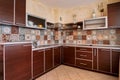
(114, 15)
(57, 56)
(115, 61)
(38, 62)
(7, 11)
(104, 60)
(95, 59)
(84, 57)
(18, 61)
(20, 12)
(69, 55)
(13, 12)
(48, 59)
(1, 63)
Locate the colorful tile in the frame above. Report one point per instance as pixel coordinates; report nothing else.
(0, 29)
(113, 31)
(27, 37)
(5, 37)
(27, 31)
(113, 37)
(37, 37)
(21, 30)
(6, 29)
(22, 37)
(37, 32)
(33, 31)
(14, 37)
(15, 30)
(33, 37)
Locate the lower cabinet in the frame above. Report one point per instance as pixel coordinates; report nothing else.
(104, 60)
(1, 63)
(48, 59)
(17, 61)
(38, 62)
(84, 64)
(69, 55)
(57, 56)
(115, 61)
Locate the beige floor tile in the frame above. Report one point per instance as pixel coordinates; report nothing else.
(70, 73)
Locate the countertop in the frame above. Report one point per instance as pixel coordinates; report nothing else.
(4, 43)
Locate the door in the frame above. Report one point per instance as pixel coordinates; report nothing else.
(7, 11)
(114, 15)
(115, 61)
(48, 59)
(104, 60)
(20, 12)
(1, 62)
(57, 56)
(38, 62)
(18, 61)
(69, 55)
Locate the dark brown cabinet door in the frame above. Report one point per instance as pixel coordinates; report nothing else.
(18, 61)
(57, 56)
(104, 60)
(20, 12)
(69, 55)
(48, 59)
(1, 63)
(115, 61)
(114, 15)
(38, 62)
(95, 59)
(7, 11)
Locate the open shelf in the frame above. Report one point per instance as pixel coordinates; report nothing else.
(95, 23)
(35, 22)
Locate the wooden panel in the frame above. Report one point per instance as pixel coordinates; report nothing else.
(83, 49)
(1, 63)
(57, 56)
(38, 62)
(18, 62)
(84, 64)
(6, 11)
(20, 12)
(95, 59)
(48, 59)
(113, 14)
(84, 55)
(104, 60)
(69, 55)
(115, 61)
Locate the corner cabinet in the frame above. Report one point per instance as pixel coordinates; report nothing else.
(69, 55)
(114, 15)
(95, 23)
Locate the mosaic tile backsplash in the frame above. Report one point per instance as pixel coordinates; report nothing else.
(15, 34)
(106, 37)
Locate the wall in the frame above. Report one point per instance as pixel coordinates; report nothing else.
(38, 9)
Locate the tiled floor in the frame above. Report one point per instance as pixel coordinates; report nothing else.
(69, 73)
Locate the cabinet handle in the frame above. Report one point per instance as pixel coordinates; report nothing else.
(11, 45)
(105, 49)
(20, 24)
(41, 51)
(116, 50)
(95, 52)
(27, 45)
(83, 64)
(47, 49)
(83, 51)
(6, 21)
(83, 55)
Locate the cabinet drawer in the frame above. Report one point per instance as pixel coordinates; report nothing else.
(84, 55)
(83, 49)
(84, 64)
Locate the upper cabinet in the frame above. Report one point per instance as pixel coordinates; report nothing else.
(13, 12)
(7, 11)
(95, 23)
(114, 15)
(20, 12)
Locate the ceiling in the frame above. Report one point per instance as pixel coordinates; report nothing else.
(67, 3)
